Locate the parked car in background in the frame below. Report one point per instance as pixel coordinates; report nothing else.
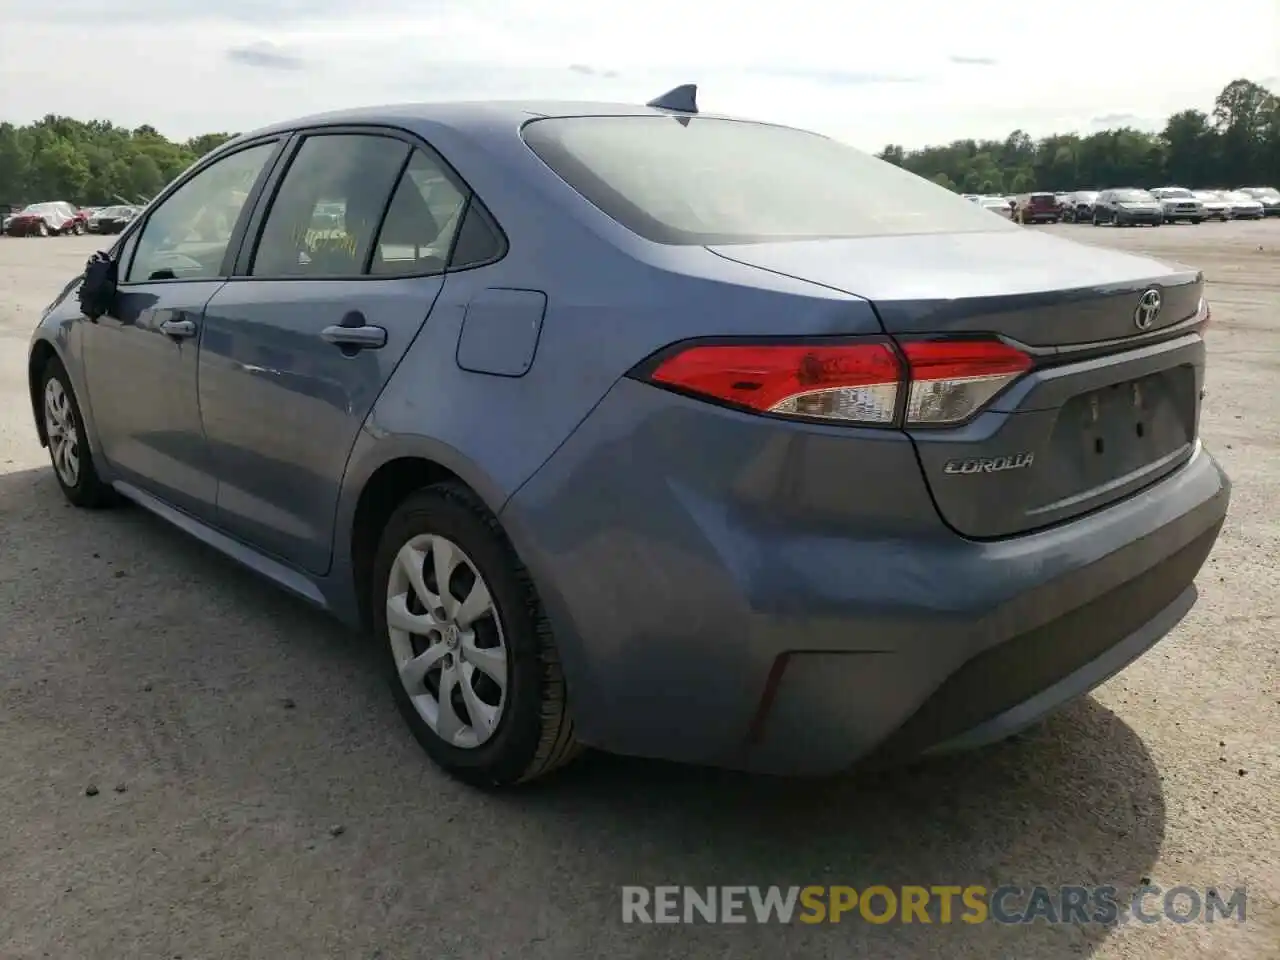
(1216, 206)
(1037, 208)
(1179, 203)
(112, 219)
(997, 205)
(1078, 207)
(1269, 197)
(1127, 206)
(1244, 206)
(49, 219)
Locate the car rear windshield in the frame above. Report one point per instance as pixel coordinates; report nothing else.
(704, 180)
(1134, 196)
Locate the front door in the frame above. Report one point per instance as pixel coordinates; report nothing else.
(296, 353)
(141, 359)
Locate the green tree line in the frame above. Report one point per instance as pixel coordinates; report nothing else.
(1237, 144)
(93, 162)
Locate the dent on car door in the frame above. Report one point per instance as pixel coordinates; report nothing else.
(350, 259)
(141, 357)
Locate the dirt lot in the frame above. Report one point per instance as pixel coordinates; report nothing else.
(257, 796)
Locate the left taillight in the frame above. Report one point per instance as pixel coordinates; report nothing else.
(869, 383)
(854, 383)
(951, 380)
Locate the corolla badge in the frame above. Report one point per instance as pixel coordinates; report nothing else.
(969, 465)
(1148, 310)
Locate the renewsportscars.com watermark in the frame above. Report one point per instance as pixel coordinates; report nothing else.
(938, 904)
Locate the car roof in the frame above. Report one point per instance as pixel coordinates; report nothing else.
(466, 116)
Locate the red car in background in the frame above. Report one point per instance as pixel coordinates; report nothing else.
(1037, 208)
(50, 219)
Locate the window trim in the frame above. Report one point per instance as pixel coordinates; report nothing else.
(257, 222)
(234, 242)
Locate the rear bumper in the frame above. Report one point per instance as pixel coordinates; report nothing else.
(715, 600)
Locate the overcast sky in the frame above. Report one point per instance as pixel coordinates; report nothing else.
(905, 71)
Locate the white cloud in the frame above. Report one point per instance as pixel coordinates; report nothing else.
(911, 72)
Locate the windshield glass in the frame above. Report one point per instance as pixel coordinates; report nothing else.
(1266, 192)
(41, 208)
(1087, 195)
(1134, 196)
(696, 180)
(1176, 194)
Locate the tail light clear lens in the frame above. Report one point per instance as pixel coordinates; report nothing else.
(854, 383)
(945, 382)
(952, 380)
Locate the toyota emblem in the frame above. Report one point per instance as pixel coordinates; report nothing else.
(1148, 310)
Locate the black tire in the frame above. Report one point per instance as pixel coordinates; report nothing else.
(535, 733)
(88, 491)
(1096, 221)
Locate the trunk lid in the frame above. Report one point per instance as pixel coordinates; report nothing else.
(1110, 406)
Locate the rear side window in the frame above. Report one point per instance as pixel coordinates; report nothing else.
(701, 180)
(425, 214)
(326, 213)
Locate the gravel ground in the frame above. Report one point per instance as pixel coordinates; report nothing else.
(257, 796)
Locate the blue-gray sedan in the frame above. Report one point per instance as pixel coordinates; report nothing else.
(638, 428)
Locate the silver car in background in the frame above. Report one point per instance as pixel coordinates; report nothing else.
(1179, 203)
(1243, 206)
(997, 205)
(1216, 206)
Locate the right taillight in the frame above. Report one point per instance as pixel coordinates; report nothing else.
(867, 383)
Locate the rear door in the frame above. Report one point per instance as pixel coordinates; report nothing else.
(1089, 364)
(350, 258)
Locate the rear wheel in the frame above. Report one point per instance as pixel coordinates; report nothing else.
(42, 230)
(469, 652)
(68, 441)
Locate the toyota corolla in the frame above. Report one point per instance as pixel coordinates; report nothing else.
(649, 430)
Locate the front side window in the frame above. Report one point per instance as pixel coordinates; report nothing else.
(324, 217)
(700, 180)
(421, 222)
(187, 235)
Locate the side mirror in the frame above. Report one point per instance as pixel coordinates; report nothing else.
(98, 288)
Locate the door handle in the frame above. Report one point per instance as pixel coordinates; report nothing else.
(353, 333)
(178, 329)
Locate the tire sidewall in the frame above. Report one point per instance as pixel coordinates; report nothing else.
(506, 755)
(87, 482)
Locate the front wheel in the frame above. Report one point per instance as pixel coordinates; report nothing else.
(42, 230)
(68, 441)
(469, 652)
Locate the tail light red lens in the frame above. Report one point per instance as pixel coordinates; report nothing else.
(849, 382)
(952, 380)
(854, 383)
